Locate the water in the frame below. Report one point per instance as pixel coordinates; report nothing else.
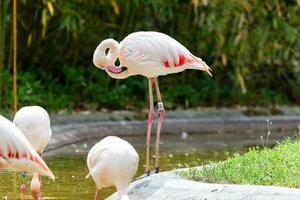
(69, 163)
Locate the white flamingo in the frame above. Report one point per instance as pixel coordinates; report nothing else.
(112, 162)
(150, 54)
(17, 153)
(34, 122)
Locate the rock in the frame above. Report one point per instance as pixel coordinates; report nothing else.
(166, 186)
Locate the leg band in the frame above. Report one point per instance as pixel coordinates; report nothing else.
(160, 106)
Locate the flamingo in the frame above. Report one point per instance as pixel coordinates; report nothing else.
(150, 54)
(17, 153)
(34, 122)
(112, 162)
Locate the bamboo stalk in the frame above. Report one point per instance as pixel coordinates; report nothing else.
(15, 55)
(15, 67)
(3, 6)
(4, 50)
(2, 30)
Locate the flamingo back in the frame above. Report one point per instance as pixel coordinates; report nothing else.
(153, 54)
(112, 161)
(34, 122)
(17, 153)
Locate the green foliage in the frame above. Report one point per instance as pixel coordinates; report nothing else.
(277, 166)
(252, 47)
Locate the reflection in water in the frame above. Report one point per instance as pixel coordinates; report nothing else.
(70, 169)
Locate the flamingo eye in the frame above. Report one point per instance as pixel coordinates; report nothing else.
(106, 51)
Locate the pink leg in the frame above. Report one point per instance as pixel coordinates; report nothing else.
(40, 178)
(35, 187)
(96, 197)
(150, 122)
(22, 190)
(159, 124)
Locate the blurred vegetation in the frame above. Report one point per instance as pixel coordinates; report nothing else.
(252, 46)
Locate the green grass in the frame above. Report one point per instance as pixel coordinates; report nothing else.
(259, 166)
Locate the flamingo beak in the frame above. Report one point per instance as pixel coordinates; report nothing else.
(115, 69)
(208, 70)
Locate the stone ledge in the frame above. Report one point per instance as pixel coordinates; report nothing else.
(166, 186)
(70, 132)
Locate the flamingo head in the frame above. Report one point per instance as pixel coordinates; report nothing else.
(105, 54)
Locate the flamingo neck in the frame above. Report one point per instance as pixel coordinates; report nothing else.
(100, 58)
(106, 61)
(122, 192)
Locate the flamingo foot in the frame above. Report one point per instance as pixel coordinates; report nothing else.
(147, 173)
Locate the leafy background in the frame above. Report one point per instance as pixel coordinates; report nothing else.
(252, 46)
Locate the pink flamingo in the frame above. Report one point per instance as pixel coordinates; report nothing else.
(106, 162)
(17, 153)
(34, 122)
(150, 54)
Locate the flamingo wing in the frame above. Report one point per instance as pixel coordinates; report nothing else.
(17, 153)
(159, 50)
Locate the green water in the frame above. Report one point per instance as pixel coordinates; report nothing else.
(70, 172)
(69, 163)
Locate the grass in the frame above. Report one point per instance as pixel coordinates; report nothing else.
(279, 166)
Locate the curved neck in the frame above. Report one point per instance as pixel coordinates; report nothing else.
(100, 55)
(103, 60)
(122, 192)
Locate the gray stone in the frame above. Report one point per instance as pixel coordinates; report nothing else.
(70, 132)
(166, 186)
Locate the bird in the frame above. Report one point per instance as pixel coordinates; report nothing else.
(34, 122)
(150, 54)
(17, 153)
(112, 162)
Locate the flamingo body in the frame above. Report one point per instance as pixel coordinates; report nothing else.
(113, 162)
(147, 53)
(17, 153)
(34, 122)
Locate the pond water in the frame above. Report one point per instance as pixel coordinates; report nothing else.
(69, 163)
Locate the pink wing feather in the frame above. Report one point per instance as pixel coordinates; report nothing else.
(17, 153)
(159, 50)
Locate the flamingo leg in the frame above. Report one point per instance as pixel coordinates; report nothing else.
(150, 123)
(22, 190)
(159, 124)
(40, 179)
(96, 197)
(36, 185)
